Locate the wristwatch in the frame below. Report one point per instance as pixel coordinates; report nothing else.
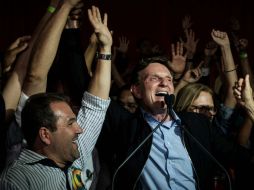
(104, 56)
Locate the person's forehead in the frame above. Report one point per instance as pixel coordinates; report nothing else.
(62, 109)
(156, 67)
(204, 98)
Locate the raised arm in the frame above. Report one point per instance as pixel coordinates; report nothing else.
(244, 60)
(244, 96)
(190, 76)
(191, 46)
(228, 66)
(18, 46)
(90, 52)
(178, 62)
(119, 51)
(100, 83)
(45, 49)
(13, 87)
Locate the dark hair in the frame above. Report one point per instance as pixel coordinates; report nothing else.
(143, 63)
(122, 89)
(37, 113)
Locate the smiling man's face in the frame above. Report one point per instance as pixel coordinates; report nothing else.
(63, 142)
(154, 79)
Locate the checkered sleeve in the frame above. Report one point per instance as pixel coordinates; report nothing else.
(90, 118)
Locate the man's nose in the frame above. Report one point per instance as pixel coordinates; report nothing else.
(79, 130)
(164, 81)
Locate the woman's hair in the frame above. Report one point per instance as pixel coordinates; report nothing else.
(188, 94)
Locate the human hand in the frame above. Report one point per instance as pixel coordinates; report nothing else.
(75, 16)
(178, 58)
(221, 38)
(191, 43)
(193, 75)
(123, 44)
(100, 28)
(243, 43)
(19, 45)
(243, 91)
(186, 22)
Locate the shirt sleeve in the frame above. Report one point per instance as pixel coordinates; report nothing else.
(22, 101)
(90, 118)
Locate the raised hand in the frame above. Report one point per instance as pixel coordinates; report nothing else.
(123, 44)
(178, 58)
(243, 91)
(100, 28)
(193, 75)
(243, 43)
(191, 43)
(186, 22)
(244, 96)
(75, 16)
(190, 76)
(19, 45)
(221, 38)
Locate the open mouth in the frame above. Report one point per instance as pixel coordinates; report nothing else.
(75, 141)
(161, 93)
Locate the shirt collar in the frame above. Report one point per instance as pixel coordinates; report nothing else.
(29, 156)
(153, 122)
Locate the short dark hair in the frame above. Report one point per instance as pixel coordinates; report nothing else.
(37, 113)
(143, 63)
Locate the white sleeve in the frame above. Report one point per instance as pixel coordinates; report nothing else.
(22, 101)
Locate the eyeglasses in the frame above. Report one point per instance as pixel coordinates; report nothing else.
(203, 109)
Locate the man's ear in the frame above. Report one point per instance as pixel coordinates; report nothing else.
(44, 135)
(136, 91)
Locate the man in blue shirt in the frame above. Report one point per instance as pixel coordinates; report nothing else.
(169, 158)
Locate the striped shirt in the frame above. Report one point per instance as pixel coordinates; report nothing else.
(36, 172)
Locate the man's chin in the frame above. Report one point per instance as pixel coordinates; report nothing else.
(163, 105)
(77, 155)
(161, 108)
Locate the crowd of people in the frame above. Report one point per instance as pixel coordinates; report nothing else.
(97, 119)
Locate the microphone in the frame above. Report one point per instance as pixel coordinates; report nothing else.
(169, 100)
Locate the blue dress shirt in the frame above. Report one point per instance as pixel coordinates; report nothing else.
(169, 165)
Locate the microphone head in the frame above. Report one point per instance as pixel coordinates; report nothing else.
(169, 100)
